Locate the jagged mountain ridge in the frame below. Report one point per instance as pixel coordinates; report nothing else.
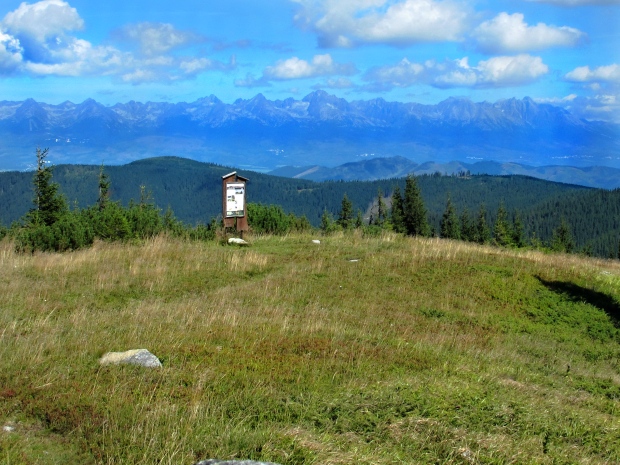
(319, 128)
(316, 107)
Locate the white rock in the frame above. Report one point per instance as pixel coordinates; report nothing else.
(236, 240)
(316, 241)
(141, 357)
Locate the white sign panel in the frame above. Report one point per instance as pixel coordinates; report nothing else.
(235, 199)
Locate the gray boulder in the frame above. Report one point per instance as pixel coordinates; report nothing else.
(140, 357)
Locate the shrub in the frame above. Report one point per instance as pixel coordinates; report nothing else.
(268, 219)
(71, 231)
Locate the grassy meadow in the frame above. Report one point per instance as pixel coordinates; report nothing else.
(384, 350)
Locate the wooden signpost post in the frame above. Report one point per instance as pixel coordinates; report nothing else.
(233, 202)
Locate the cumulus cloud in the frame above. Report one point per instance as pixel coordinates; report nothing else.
(600, 92)
(501, 71)
(600, 107)
(10, 54)
(346, 23)
(605, 74)
(47, 19)
(511, 70)
(510, 33)
(40, 39)
(296, 68)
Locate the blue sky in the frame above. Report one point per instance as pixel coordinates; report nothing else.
(565, 52)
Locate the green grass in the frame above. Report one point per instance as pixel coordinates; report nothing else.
(422, 351)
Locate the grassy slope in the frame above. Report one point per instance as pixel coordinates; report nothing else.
(423, 351)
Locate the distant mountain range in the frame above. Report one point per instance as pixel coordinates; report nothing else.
(397, 167)
(320, 129)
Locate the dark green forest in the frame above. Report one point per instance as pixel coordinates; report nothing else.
(192, 190)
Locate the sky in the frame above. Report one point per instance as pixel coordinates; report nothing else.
(564, 52)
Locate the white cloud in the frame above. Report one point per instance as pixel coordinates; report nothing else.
(335, 83)
(578, 2)
(511, 70)
(43, 20)
(10, 54)
(556, 100)
(510, 33)
(157, 38)
(600, 92)
(602, 107)
(39, 39)
(602, 74)
(502, 71)
(346, 23)
(195, 65)
(403, 74)
(250, 81)
(79, 59)
(295, 68)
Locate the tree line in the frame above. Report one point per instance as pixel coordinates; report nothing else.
(408, 215)
(52, 225)
(537, 214)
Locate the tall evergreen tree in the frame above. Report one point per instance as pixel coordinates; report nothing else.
(502, 234)
(104, 189)
(483, 233)
(518, 231)
(381, 210)
(49, 204)
(345, 217)
(397, 213)
(416, 222)
(562, 240)
(450, 227)
(359, 220)
(327, 222)
(468, 231)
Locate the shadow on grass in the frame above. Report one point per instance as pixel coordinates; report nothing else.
(581, 294)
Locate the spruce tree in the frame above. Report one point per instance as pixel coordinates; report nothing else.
(104, 189)
(450, 223)
(416, 223)
(518, 232)
(381, 210)
(345, 217)
(359, 221)
(49, 204)
(397, 213)
(468, 232)
(483, 233)
(562, 240)
(502, 234)
(327, 222)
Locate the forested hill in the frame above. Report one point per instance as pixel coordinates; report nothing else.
(193, 191)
